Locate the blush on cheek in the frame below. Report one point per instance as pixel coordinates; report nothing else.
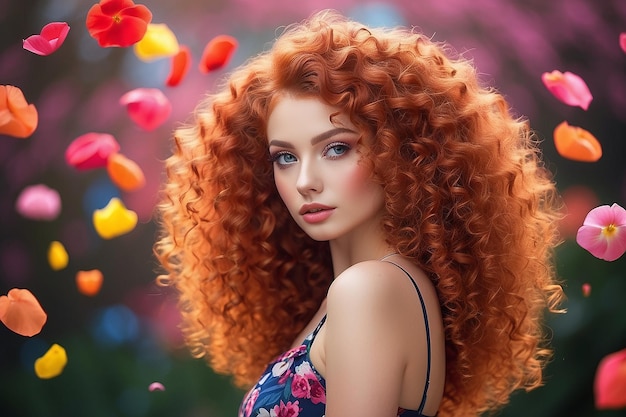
(357, 179)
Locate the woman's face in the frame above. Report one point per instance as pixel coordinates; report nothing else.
(317, 171)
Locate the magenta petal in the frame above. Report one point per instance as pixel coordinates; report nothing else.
(622, 41)
(610, 382)
(39, 202)
(149, 108)
(568, 88)
(51, 38)
(91, 150)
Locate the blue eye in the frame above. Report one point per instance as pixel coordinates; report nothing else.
(283, 158)
(335, 150)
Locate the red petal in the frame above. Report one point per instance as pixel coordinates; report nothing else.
(217, 53)
(21, 312)
(610, 382)
(91, 150)
(180, 66)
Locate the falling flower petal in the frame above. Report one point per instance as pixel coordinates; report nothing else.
(180, 65)
(158, 42)
(577, 144)
(149, 108)
(52, 363)
(586, 288)
(567, 87)
(622, 41)
(156, 386)
(91, 150)
(49, 40)
(39, 202)
(217, 53)
(89, 282)
(610, 382)
(114, 219)
(57, 256)
(603, 232)
(125, 173)
(17, 118)
(21, 312)
(118, 23)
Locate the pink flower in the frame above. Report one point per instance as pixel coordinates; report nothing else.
(568, 88)
(39, 202)
(286, 410)
(318, 394)
(49, 40)
(622, 41)
(300, 387)
(610, 382)
(603, 232)
(250, 400)
(91, 150)
(147, 107)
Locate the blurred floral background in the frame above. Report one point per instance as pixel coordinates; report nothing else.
(123, 336)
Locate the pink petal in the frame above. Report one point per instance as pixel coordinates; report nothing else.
(91, 150)
(149, 108)
(602, 216)
(156, 386)
(610, 382)
(21, 312)
(591, 239)
(622, 41)
(38, 202)
(586, 288)
(568, 88)
(51, 38)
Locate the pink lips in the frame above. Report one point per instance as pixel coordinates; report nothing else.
(315, 213)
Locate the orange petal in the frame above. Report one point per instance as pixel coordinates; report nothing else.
(89, 282)
(576, 143)
(17, 118)
(180, 66)
(217, 53)
(125, 173)
(21, 312)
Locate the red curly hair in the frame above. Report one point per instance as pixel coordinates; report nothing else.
(467, 199)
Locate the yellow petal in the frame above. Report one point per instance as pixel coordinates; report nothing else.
(114, 219)
(158, 42)
(57, 256)
(51, 364)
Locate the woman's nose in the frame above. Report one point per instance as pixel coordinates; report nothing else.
(309, 180)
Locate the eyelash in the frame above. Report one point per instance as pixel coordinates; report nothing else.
(273, 158)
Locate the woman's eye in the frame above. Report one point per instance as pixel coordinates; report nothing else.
(335, 150)
(283, 158)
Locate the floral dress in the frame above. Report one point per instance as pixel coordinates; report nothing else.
(292, 387)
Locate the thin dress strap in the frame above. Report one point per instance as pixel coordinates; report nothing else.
(419, 293)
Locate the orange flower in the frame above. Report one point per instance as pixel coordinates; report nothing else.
(21, 312)
(118, 23)
(17, 118)
(125, 173)
(217, 53)
(576, 143)
(89, 282)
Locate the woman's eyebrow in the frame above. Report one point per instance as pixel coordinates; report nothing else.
(316, 139)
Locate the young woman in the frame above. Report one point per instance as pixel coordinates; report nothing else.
(356, 227)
